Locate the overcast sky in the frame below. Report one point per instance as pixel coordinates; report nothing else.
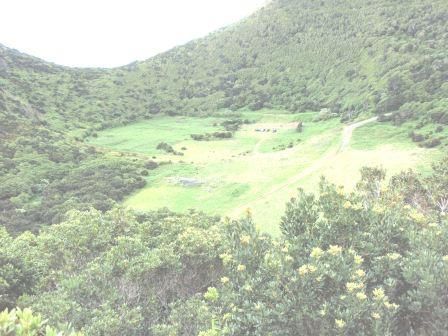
(108, 33)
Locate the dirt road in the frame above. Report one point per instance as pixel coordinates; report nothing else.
(347, 134)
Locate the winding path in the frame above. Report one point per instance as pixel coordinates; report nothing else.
(347, 134)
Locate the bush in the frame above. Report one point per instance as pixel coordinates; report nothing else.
(431, 143)
(165, 147)
(151, 165)
(222, 135)
(416, 137)
(19, 322)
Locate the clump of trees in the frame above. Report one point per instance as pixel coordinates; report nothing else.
(230, 127)
(211, 136)
(168, 148)
(425, 140)
(151, 165)
(233, 125)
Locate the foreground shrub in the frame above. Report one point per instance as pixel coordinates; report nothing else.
(373, 261)
(19, 322)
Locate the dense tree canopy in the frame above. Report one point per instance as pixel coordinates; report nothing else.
(369, 262)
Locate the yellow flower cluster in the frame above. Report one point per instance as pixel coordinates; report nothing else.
(376, 316)
(358, 259)
(417, 216)
(226, 316)
(335, 250)
(225, 280)
(241, 268)
(289, 258)
(245, 239)
(378, 294)
(305, 269)
(248, 213)
(353, 286)
(316, 253)
(339, 323)
(394, 256)
(357, 206)
(347, 205)
(226, 258)
(391, 305)
(227, 221)
(360, 273)
(361, 296)
(248, 288)
(378, 208)
(445, 258)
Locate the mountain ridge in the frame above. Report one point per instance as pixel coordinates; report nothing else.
(223, 71)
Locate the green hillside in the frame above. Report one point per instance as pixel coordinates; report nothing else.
(351, 57)
(338, 58)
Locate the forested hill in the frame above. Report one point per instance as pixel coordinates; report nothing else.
(348, 56)
(337, 57)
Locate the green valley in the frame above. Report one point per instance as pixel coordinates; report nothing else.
(260, 167)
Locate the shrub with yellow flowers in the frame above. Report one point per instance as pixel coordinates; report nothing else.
(359, 262)
(347, 263)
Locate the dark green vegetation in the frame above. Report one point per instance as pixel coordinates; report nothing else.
(349, 57)
(43, 175)
(370, 262)
(343, 58)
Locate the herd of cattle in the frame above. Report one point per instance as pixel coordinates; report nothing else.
(274, 130)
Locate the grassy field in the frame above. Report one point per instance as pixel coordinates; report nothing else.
(256, 170)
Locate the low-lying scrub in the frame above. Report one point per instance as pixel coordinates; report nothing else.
(369, 262)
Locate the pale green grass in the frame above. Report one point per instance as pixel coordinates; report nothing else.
(249, 171)
(379, 134)
(143, 137)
